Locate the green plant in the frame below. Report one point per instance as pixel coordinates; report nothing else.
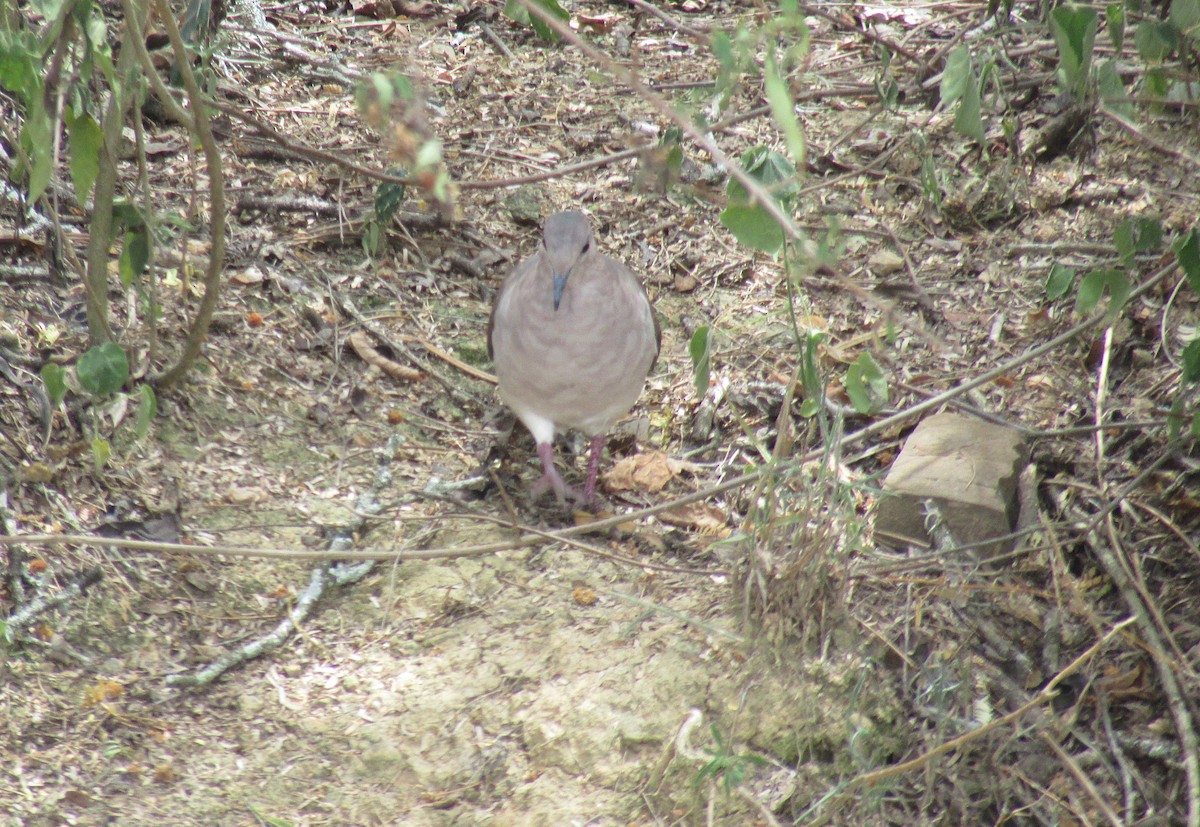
(101, 373)
(1134, 236)
(514, 10)
(67, 81)
(388, 198)
(1184, 410)
(866, 384)
(700, 349)
(393, 105)
(962, 89)
(726, 766)
(1074, 30)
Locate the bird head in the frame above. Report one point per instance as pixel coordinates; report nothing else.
(566, 238)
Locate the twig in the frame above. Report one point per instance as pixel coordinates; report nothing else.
(880, 426)
(1190, 161)
(1082, 779)
(322, 577)
(16, 623)
(875, 777)
(202, 129)
(685, 123)
(1184, 727)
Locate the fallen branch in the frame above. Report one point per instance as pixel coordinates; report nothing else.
(324, 576)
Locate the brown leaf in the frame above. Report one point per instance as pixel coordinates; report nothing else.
(102, 691)
(649, 472)
(598, 22)
(702, 517)
(362, 346)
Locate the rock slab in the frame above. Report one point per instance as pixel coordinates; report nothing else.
(969, 468)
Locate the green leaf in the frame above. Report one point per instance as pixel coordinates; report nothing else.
(1074, 30)
(1191, 361)
(1175, 418)
(957, 76)
(389, 196)
(783, 110)
(1092, 289)
(770, 169)
(54, 377)
(866, 385)
(371, 238)
(135, 255)
(84, 137)
(1187, 253)
(101, 452)
(49, 9)
(1149, 235)
(1185, 16)
(37, 139)
(1155, 40)
(516, 12)
(749, 221)
(754, 227)
(1112, 89)
(103, 369)
(968, 119)
(1196, 425)
(722, 48)
(1059, 281)
(700, 349)
(1114, 18)
(1125, 240)
(128, 215)
(147, 410)
(810, 374)
(18, 72)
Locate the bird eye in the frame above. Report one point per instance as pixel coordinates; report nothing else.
(587, 245)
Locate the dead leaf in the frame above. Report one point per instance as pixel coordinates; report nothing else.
(701, 517)
(102, 691)
(362, 346)
(581, 517)
(201, 582)
(251, 275)
(648, 472)
(1131, 683)
(598, 22)
(245, 495)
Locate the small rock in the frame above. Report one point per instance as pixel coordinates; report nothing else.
(885, 262)
(969, 468)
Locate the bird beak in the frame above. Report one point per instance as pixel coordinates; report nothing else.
(560, 284)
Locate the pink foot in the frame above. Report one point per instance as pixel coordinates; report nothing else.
(551, 479)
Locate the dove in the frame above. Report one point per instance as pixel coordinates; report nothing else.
(573, 338)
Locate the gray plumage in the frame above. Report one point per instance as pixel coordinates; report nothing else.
(573, 337)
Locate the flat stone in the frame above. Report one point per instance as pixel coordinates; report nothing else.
(969, 468)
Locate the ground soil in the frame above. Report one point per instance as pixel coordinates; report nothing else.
(745, 661)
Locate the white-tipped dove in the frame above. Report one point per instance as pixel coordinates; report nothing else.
(572, 336)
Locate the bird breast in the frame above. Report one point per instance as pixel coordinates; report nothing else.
(583, 365)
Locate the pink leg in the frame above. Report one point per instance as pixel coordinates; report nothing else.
(551, 479)
(589, 487)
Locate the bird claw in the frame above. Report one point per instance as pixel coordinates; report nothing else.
(551, 479)
(555, 483)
